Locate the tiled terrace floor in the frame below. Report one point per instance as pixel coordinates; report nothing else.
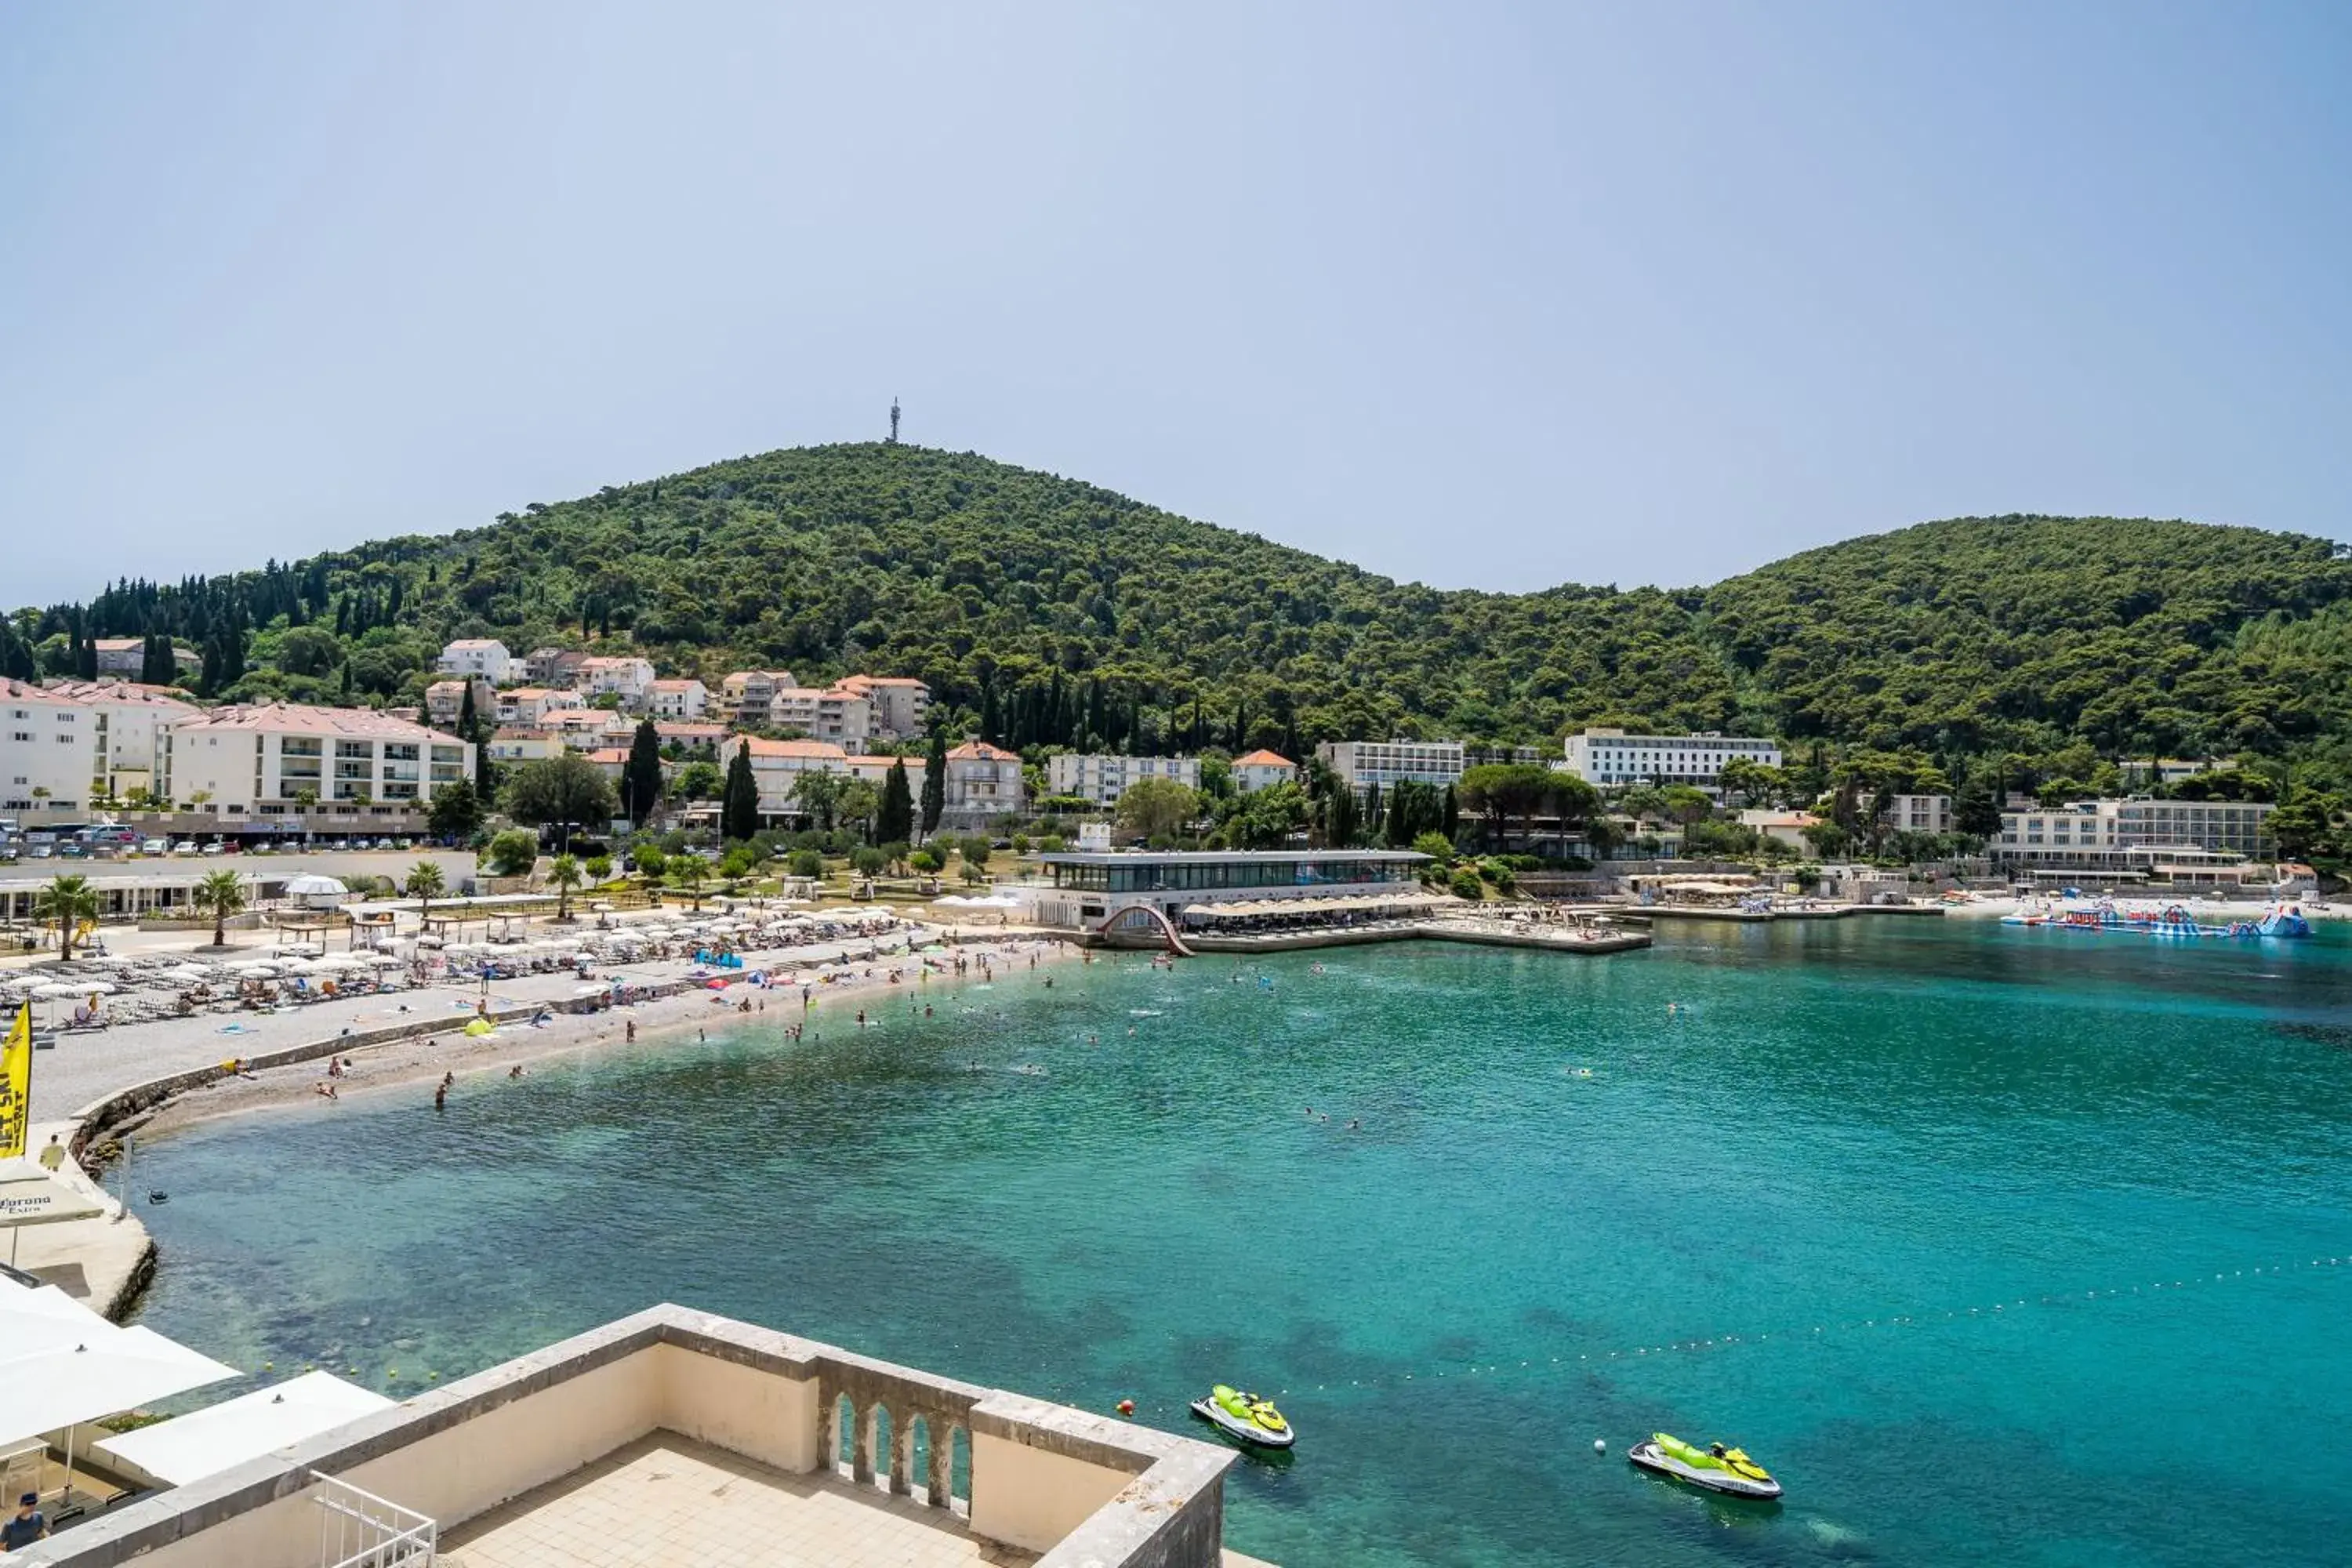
(666, 1502)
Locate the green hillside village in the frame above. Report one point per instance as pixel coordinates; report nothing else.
(881, 668)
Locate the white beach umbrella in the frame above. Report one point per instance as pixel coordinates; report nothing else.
(56, 990)
(32, 1195)
(221, 1436)
(99, 1375)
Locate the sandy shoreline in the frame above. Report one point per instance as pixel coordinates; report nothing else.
(476, 1059)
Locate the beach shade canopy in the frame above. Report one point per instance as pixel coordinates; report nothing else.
(41, 1317)
(221, 1436)
(480, 1027)
(31, 1195)
(103, 1372)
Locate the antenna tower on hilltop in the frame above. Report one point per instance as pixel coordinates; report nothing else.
(894, 422)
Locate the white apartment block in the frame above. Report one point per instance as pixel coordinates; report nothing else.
(687, 698)
(2099, 833)
(520, 746)
(1255, 770)
(835, 716)
(983, 783)
(1608, 756)
(900, 706)
(630, 679)
(444, 700)
(777, 767)
(876, 771)
(484, 657)
(1920, 814)
(527, 705)
(259, 761)
(1363, 764)
(746, 696)
(1103, 779)
(585, 729)
(128, 717)
(49, 750)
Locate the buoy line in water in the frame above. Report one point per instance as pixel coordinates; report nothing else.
(2020, 1305)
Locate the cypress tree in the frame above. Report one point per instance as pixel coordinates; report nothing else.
(641, 779)
(465, 709)
(738, 807)
(894, 822)
(1339, 825)
(1450, 816)
(935, 782)
(1373, 811)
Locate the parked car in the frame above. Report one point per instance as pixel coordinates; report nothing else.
(155, 847)
(187, 847)
(215, 847)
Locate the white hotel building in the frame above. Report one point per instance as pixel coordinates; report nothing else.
(49, 750)
(1385, 762)
(259, 761)
(1606, 756)
(1103, 779)
(2120, 835)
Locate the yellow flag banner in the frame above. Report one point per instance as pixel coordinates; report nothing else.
(17, 1084)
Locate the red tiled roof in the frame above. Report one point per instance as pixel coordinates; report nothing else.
(1262, 758)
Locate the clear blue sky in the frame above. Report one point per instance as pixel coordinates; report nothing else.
(1482, 296)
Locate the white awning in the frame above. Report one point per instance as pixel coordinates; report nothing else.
(99, 1374)
(31, 1195)
(220, 1436)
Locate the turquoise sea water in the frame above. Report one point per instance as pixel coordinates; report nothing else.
(2010, 1244)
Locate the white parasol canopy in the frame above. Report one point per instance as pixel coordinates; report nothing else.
(102, 1372)
(31, 1195)
(220, 1436)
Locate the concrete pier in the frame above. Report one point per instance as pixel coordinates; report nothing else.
(104, 1262)
(1482, 933)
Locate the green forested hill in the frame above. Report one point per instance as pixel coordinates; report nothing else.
(1052, 610)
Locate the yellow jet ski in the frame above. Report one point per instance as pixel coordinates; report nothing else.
(1245, 1417)
(1714, 1466)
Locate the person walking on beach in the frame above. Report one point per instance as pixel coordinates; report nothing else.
(53, 1154)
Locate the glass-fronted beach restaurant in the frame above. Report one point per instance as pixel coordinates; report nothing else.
(1089, 889)
(1231, 870)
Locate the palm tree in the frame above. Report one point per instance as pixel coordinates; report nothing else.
(220, 895)
(564, 872)
(70, 901)
(423, 885)
(687, 871)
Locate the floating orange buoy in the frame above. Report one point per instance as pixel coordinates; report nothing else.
(1127, 1407)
